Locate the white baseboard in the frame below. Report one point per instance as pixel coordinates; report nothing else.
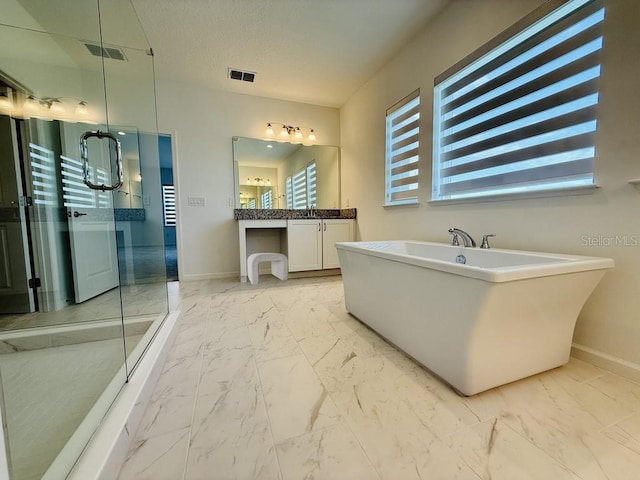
(192, 277)
(616, 365)
(106, 453)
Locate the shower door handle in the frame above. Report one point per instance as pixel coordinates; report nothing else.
(84, 156)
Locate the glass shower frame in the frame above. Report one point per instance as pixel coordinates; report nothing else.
(72, 346)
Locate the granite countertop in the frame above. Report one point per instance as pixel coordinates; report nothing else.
(130, 214)
(281, 214)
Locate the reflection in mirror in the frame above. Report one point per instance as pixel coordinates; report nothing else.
(130, 194)
(278, 175)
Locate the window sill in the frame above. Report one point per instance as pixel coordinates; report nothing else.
(409, 203)
(586, 190)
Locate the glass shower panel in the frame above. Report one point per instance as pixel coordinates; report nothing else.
(139, 208)
(62, 357)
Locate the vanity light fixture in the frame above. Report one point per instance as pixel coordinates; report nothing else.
(288, 131)
(258, 181)
(56, 107)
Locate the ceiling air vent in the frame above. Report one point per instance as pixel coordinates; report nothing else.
(106, 52)
(235, 74)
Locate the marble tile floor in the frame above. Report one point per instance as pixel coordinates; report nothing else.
(278, 381)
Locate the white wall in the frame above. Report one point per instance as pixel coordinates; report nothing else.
(609, 322)
(203, 123)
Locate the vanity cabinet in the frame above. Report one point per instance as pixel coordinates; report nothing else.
(311, 242)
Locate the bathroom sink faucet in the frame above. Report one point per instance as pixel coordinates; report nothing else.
(466, 238)
(311, 211)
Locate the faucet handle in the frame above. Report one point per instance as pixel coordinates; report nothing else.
(485, 240)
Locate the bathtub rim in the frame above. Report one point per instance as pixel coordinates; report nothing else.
(565, 263)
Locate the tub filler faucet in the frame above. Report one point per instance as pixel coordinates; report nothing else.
(466, 238)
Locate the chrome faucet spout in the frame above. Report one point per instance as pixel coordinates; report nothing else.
(466, 238)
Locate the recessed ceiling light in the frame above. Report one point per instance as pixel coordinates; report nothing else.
(269, 146)
(121, 133)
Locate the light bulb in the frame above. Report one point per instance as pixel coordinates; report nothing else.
(269, 130)
(81, 109)
(30, 105)
(56, 107)
(312, 136)
(298, 133)
(5, 102)
(284, 132)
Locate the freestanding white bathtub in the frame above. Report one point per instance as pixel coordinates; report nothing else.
(502, 316)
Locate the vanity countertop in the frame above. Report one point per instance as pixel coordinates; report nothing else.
(129, 214)
(262, 214)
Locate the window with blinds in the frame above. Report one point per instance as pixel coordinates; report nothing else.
(301, 191)
(311, 185)
(402, 145)
(299, 182)
(520, 116)
(266, 200)
(289, 192)
(169, 204)
(43, 173)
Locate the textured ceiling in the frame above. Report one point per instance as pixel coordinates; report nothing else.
(311, 51)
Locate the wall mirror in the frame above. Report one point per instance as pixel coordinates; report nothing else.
(130, 194)
(280, 175)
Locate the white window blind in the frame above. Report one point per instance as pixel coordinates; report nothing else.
(299, 182)
(169, 203)
(301, 189)
(43, 173)
(289, 192)
(520, 116)
(402, 148)
(74, 191)
(266, 200)
(252, 203)
(311, 185)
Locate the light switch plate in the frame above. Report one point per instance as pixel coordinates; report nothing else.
(195, 201)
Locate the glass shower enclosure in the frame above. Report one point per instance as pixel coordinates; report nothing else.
(82, 272)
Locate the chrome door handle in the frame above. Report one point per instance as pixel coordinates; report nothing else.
(78, 214)
(84, 156)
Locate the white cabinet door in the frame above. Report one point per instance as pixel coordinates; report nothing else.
(334, 231)
(304, 239)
